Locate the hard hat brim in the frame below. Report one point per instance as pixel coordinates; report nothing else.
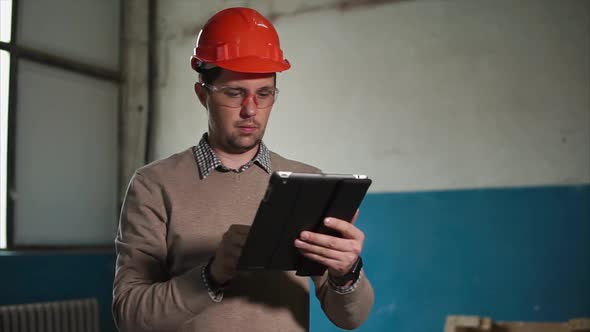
(254, 65)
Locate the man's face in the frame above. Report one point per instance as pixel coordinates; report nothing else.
(236, 129)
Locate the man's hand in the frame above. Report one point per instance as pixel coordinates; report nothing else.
(224, 266)
(338, 254)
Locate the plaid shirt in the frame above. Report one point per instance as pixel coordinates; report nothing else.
(207, 160)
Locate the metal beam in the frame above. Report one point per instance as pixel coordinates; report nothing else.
(10, 167)
(136, 102)
(30, 54)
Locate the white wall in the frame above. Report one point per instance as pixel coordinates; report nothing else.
(419, 95)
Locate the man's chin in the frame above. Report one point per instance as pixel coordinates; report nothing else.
(244, 144)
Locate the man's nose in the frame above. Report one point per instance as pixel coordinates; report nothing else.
(249, 106)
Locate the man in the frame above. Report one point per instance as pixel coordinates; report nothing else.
(186, 218)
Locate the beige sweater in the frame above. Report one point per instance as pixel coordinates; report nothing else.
(172, 222)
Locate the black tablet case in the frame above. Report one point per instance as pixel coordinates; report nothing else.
(295, 202)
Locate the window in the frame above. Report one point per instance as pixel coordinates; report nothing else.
(59, 100)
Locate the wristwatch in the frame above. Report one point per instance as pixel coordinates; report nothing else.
(353, 274)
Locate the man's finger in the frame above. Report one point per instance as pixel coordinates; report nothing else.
(328, 262)
(236, 238)
(326, 241)
(239, 229)
(356, 214)
(348, 230)
(341, 267)
(318, 250)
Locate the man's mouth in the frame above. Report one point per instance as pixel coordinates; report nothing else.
(247, 129)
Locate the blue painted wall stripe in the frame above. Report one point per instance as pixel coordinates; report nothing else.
(511, 254)
(39, 277)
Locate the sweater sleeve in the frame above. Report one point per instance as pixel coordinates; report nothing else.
(145, 297)
(347, 311)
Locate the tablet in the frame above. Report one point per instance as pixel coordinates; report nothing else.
(295, 202)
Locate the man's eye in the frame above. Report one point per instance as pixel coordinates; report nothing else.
(233, 93)
(264, 93)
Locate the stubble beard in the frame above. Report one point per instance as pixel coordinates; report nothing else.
(244, 143)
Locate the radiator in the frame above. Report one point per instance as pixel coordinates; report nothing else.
(60, 316)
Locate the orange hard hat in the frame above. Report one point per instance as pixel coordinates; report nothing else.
(239, 39)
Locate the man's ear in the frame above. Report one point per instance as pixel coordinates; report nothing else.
(201, 93)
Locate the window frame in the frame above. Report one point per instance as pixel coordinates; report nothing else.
(17, 52)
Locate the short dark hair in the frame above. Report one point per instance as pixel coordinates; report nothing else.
(208, 76)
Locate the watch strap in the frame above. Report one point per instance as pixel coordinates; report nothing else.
(352, 275)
